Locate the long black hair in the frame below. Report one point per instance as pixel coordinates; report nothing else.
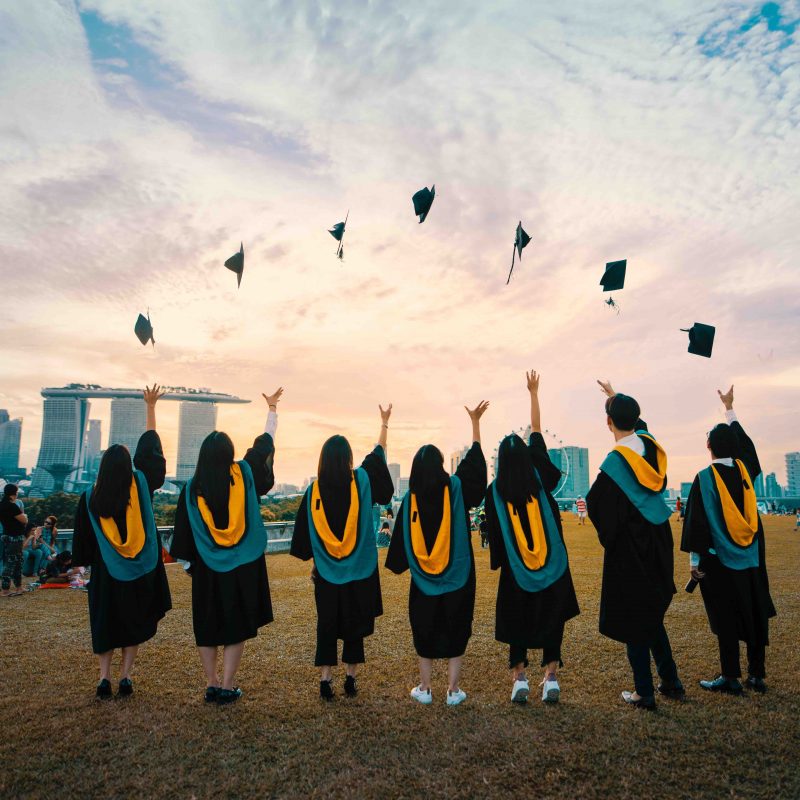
(335, 466)
(112, 489)
(212, 475)
(427, 471)
(516, 481)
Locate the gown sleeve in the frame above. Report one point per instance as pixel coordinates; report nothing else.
(472, 473)
(746, 450)
(396, 559)
(497, 549)
(380, 479)
(549, 472)
(84, 543)
(602, 507)
(696, 536)
(301, 537)
(149, 460)
(183, 546)
(260, 458)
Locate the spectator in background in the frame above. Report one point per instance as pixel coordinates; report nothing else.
(13, 520)
(35, 553)
(384, 535)
(484, 531)
(580, 509)
(50, 534)
(679, 507)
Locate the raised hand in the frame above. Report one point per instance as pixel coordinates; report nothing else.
(727, 398)
(385, 414)
(272, 399)
(476, 413)
(153, 394)
(606, 388)
(532, 379)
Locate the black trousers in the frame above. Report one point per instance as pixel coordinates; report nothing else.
(550, 652)
(639, 657)
(352, 652)
(12, 563)
(729, 658)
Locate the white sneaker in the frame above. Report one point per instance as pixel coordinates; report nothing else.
(456, 697)
(421, 696)
(551, 691)
(519, 694)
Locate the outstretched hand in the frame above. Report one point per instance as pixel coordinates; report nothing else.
(606, 388)
(272, 399)
(385, 414)
(532, 379)
(476, 413)
(727, 398)
(153, 394)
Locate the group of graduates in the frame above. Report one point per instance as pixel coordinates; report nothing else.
(220, 535)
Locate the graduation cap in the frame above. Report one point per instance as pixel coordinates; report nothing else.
(337, 231)
(701, 339)
(236, 264)
(521, 240)
(143, 329)
(614, 277)
(423, 200)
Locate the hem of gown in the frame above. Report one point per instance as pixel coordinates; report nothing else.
(230, 640)
(133, 641)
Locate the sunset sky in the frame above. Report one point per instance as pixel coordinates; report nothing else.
(141, 141)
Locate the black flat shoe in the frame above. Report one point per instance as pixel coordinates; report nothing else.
(756, 684)
(673, 691)
(104, 690)
(722, 685)
(647, 703)
(325, 690)
(350, 686)
(227, 696)
(125, 688)
(211, 694)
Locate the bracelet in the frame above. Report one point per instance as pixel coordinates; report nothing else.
(274, 408)
(385, 426)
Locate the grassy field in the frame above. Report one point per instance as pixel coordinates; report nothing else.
(280, 740)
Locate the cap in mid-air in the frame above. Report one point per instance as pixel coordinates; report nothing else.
(521, 240)
(236, 264)
(614, 277)
(143, 329)
(701, 339)
(337, 231)
(423, 200)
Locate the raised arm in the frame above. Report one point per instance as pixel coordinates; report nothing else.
(475, 415)
(382, 437)
(272, 411)
(532, 378)
(745, 449)
(151, 397)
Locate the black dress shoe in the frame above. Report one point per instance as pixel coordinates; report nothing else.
(211, 694)
(350, 686)
(104, 690)
(125, 688)
(647, 703)
(227, 696)
(325, 690)
(674, 691)
(723, 685)
(757, 685)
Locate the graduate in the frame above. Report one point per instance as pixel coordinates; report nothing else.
(535, 595)
(723, 533)
(115, 534)
(432, 540)
(219, 531)
(334, 526)
(626, 506)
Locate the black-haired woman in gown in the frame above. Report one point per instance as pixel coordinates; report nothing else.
(219, 531)
(116, 535)
(535, 595)
(334, 526)
(432, 539)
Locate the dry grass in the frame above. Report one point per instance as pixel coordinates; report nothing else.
(279, 740)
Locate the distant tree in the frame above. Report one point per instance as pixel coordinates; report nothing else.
(61, 504)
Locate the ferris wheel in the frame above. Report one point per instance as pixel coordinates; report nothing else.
(553, 442)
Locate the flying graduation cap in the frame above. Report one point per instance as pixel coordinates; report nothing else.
(521, 240)
(701, 339)
(423, 200)
(144, 330)
(236, 264)
(337, 231)
(614, 277)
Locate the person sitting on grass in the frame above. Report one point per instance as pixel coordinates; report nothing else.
(35, 553)
(60, 569)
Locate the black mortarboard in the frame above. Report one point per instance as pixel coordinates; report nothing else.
(521, 240)
(236, 264)
(143, 329)
(614, 277)
(701, 339)
(423, 200)
(337, 231)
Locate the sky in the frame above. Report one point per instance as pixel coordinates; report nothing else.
(141, 142)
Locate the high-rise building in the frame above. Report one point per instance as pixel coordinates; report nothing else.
(758, 485)
(61, 449)
(91, 448)
(574, 464)
(195, 422)
(686, 487)
(772, 486)
(10, 434)
(793, 474)
(127, 422)
(394, 471)
(402, 487)
(456, 458)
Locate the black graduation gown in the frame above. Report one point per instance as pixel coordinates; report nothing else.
(123, 613)
(441, 625)
(637, 564)
(737, 602)
(531, 620)
(228, 607)
(346, 610)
